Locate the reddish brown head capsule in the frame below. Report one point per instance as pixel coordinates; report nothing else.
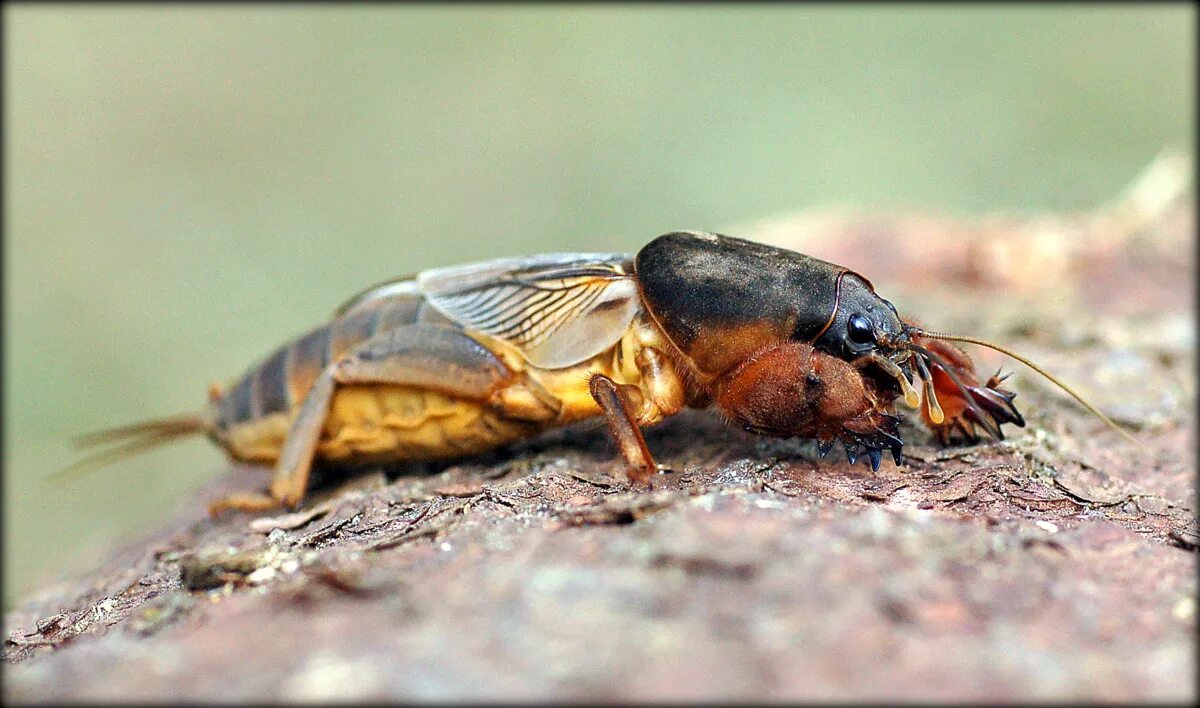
(788, 344)
(720, 298)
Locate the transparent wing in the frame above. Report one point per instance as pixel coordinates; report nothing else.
(404, 285)
(557, 309)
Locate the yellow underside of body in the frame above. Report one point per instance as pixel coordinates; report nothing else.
(386, 422)
(394, 423)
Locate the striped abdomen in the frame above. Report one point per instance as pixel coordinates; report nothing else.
(279, 383)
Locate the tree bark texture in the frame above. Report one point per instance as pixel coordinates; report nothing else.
(1057, 564)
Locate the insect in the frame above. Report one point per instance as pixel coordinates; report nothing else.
(459, 360)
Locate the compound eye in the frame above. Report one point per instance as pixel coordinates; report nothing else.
(859, 330)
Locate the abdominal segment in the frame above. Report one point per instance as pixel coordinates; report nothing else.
(384, 422)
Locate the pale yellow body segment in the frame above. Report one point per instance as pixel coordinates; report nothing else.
(382, 422)
(386, 422)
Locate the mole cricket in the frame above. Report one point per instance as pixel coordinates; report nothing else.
(455, 361)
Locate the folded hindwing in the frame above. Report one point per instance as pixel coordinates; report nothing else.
(556, 309)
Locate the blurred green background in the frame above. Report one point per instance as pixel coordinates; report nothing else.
(188, 186)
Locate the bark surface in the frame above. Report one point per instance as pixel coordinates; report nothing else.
(1057, 564)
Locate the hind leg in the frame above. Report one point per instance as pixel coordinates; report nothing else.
(423, 356)
(252, 502)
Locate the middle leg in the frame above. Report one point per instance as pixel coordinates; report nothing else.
(620, 403)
